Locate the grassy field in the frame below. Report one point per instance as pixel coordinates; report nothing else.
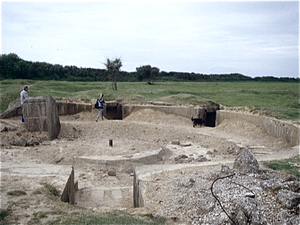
(276, 99)
(290, 165)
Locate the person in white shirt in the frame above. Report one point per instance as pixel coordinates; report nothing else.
(24, 95)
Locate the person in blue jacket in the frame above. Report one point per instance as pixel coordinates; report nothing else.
(101, 104)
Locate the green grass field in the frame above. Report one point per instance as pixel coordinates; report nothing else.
(276, 99)
(290, 165)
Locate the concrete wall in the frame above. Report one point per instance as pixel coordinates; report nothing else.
(114, 110)
(14, 109)
(185, 111)
(35, 115)
(284, 130)
(11, 112)
(64, 108)
(53, 124)
(70, 108)
(41, 114)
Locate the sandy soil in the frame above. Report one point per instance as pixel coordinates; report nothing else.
(29, 168)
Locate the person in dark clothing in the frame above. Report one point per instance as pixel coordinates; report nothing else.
(101, 104)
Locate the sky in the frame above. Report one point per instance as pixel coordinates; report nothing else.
(254, 38)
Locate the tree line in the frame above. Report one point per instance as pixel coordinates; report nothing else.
(13, 67)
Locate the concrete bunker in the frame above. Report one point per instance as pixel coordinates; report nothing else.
(118, 111)
(126, 196)
(118, 196)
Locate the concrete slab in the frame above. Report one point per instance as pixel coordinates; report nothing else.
(34, 175)
(146, 157)
(35, 170)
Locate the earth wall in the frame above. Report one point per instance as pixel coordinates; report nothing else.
(286, 131)
(185, 111)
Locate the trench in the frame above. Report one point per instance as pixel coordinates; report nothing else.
(121, 167)
(124, 196)
(130, 196)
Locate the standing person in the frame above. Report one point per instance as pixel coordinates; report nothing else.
(24, 95)
(101, 104)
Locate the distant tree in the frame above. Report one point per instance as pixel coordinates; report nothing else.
(143, 72)
(147, 73)
(154, 72)
(13, 67)
(8, 66)
(113, 69)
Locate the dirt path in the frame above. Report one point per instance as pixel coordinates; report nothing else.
(28, 168)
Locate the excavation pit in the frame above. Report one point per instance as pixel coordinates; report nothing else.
(138, 139)
(105, 197)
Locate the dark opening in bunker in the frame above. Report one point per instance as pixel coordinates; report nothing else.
(113, 111)
(210, 120)
(116, 111)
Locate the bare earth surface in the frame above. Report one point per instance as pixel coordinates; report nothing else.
(31, 168)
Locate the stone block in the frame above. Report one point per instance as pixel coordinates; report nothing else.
(246, 163)
(41, 115)
(34, 111)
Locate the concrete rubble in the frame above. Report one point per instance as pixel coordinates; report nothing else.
(248, 195)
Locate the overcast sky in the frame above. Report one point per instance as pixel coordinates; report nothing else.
(253, 38)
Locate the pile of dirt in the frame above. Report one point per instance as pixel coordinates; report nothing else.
(157, 117)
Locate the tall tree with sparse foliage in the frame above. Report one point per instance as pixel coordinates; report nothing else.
(113, 68)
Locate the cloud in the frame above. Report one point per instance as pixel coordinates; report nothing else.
(251, 37)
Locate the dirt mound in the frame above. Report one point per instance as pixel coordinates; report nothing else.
(82, 116)
(157, 117)
(240, 127)
(14, 133)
